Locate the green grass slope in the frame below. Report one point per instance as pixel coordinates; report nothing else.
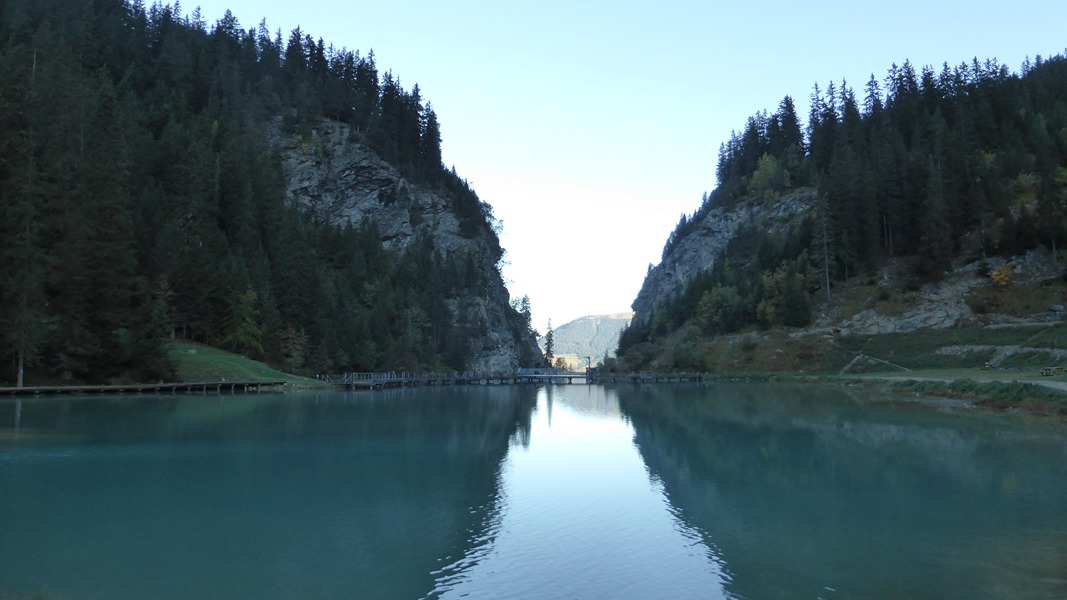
(914, 362)
(197, 362)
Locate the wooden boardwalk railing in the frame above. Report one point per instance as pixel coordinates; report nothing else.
(377, 381)
(367, 381)
(140, 388)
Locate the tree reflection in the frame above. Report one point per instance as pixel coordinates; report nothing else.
(301, 495)
(806, 491)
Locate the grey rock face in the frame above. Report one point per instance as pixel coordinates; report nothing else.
(594, 336)
(704, 247)
(341, 180)
(938, 306)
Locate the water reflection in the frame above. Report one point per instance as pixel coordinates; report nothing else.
(268, 496)
(579, 517)
(806, 492)
(524, 492)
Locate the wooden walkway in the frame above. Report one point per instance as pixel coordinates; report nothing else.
(647, 377)
(378, 381)
(142, 388)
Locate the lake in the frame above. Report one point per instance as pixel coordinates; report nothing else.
(571, 491)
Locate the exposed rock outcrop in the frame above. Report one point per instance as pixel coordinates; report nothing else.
(341, 180)
(943, 304)
(938, 306)
(704, 247)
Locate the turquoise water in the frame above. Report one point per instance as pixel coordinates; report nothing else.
(743, 491)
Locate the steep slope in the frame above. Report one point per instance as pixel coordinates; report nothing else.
(708, 241)
(215, 192)
(340, 180)
(912, 198)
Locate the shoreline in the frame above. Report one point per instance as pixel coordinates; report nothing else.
(998, 394)
(1046, 398)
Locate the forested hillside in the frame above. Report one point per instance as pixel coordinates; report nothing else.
(922, 169)
(140, 200)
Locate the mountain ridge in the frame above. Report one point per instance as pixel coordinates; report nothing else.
(592, 336)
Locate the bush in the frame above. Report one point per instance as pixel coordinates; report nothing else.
(1001, 275)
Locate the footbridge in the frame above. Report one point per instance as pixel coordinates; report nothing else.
(378, 381)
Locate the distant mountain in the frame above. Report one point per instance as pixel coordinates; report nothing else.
(594, 336)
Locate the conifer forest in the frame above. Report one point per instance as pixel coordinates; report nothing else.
(140, 202)
(921, 168)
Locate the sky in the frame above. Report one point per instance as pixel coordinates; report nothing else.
(591, 126)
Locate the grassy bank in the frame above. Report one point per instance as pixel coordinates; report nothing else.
(1020, 350)
(192, 363)
(197, 362)
(944, 362)
(1038, 396)
(951, 363)
(999, 395)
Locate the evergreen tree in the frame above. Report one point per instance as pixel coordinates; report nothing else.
(141, 200)
(23, 320)
(242, 323)
(525, 311)
(936, 243)
(872, 101)
(430, 143)
(959, 163)
(550, 344)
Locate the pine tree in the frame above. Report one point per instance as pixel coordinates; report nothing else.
(935, 233)
(525, 311)
(550, 344)
(872, 101)
(822, 240)
(23, 319)
(242, 323)
(430, 144)
(149, 163)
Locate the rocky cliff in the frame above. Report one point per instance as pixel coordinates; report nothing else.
(707, 243)
(890, 302)
(341, 180)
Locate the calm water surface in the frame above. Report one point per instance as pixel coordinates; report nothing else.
(746, 491)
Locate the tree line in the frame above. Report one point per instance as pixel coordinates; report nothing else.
(924, 168)
(139, 201)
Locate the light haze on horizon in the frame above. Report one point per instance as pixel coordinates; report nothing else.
(590, 127)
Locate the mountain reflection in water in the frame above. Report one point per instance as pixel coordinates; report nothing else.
(720, 491)
(249, 496)
(809, 492)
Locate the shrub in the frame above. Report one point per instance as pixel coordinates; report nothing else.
(1001, 275)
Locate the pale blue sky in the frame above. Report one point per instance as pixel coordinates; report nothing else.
(591, 126)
